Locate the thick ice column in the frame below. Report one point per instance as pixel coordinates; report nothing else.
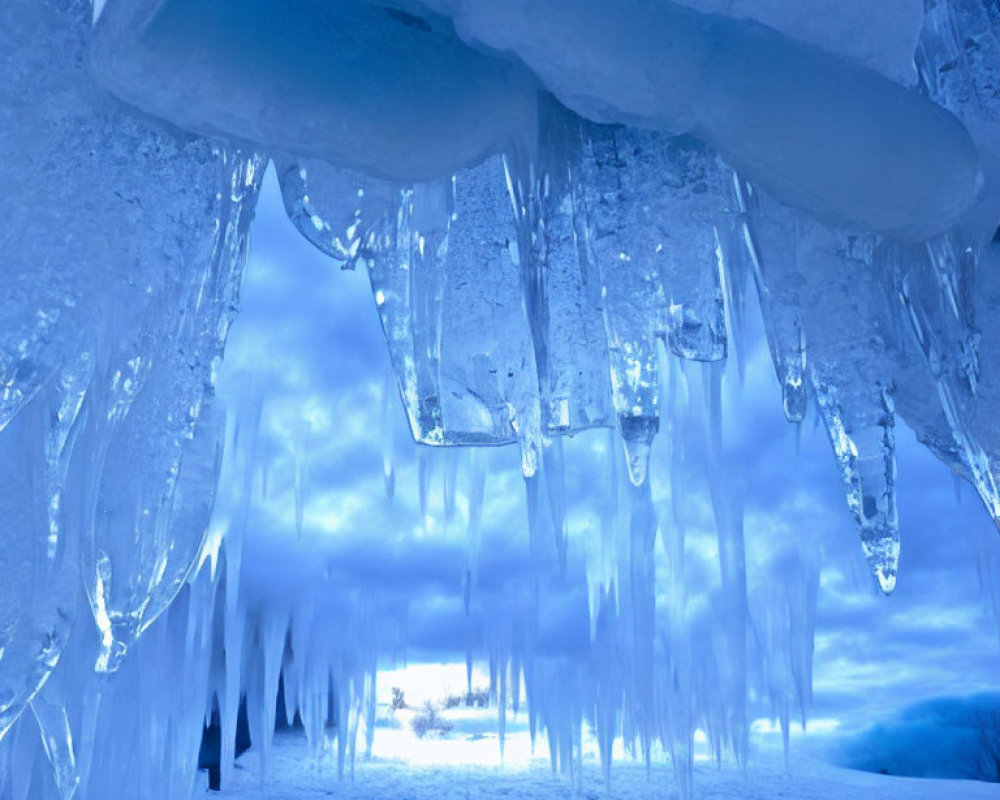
(152, 405)
(635, 301)
(488, 358)
(656, 207)
(443, 261)
(932, 287)
(638, 605)
(864, 444)
(560, 284)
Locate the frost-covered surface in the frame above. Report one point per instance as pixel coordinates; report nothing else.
(443, 771)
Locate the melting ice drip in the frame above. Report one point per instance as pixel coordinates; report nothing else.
(536, 277)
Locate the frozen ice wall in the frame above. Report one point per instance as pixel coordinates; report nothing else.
(563, 211)
(124, 242)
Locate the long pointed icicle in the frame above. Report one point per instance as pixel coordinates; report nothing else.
(866, 454)
(57, 739)
(769, 227)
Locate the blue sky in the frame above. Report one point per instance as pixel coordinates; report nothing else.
(308, 340)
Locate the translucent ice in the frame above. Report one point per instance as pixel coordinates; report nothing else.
(443, 261)
(542, 263)
(124, 248)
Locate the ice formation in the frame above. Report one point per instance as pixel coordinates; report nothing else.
(562, 209)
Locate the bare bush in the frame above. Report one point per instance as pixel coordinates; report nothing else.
(429, 721)
(477, 698)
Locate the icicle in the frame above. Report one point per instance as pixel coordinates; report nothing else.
(658, 212)
(502, 706)
(559, 283)
(968, 449)
(640, 587)
(800, 264)
(609, 510)
(555, 482)
(22, 762)
(449, 484)
(291, 686)
(371, 708)
(300, 469)
(956, 54)
(536, 537)
(476, 472)
(57, 739)
(767, 227)
(700, 333)
(609, 680)
(728, 512)
(639, 424)
(405, 268)
(866, 452)
(423, 485)
(388, 441)
(466, 377)
(262, 682)
(233, 629)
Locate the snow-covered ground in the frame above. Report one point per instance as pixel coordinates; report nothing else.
(467, 766)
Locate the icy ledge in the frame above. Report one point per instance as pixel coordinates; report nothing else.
(822, 133)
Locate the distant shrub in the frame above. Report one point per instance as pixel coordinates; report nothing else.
(477, 698)
(398, 698)
(429, 721)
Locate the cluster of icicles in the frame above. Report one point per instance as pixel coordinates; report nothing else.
(523, 300)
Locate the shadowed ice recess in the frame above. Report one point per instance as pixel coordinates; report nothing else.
(569, 213)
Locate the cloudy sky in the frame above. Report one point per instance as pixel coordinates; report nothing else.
(308, 343)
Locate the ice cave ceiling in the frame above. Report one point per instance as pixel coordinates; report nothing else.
(569, 214)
